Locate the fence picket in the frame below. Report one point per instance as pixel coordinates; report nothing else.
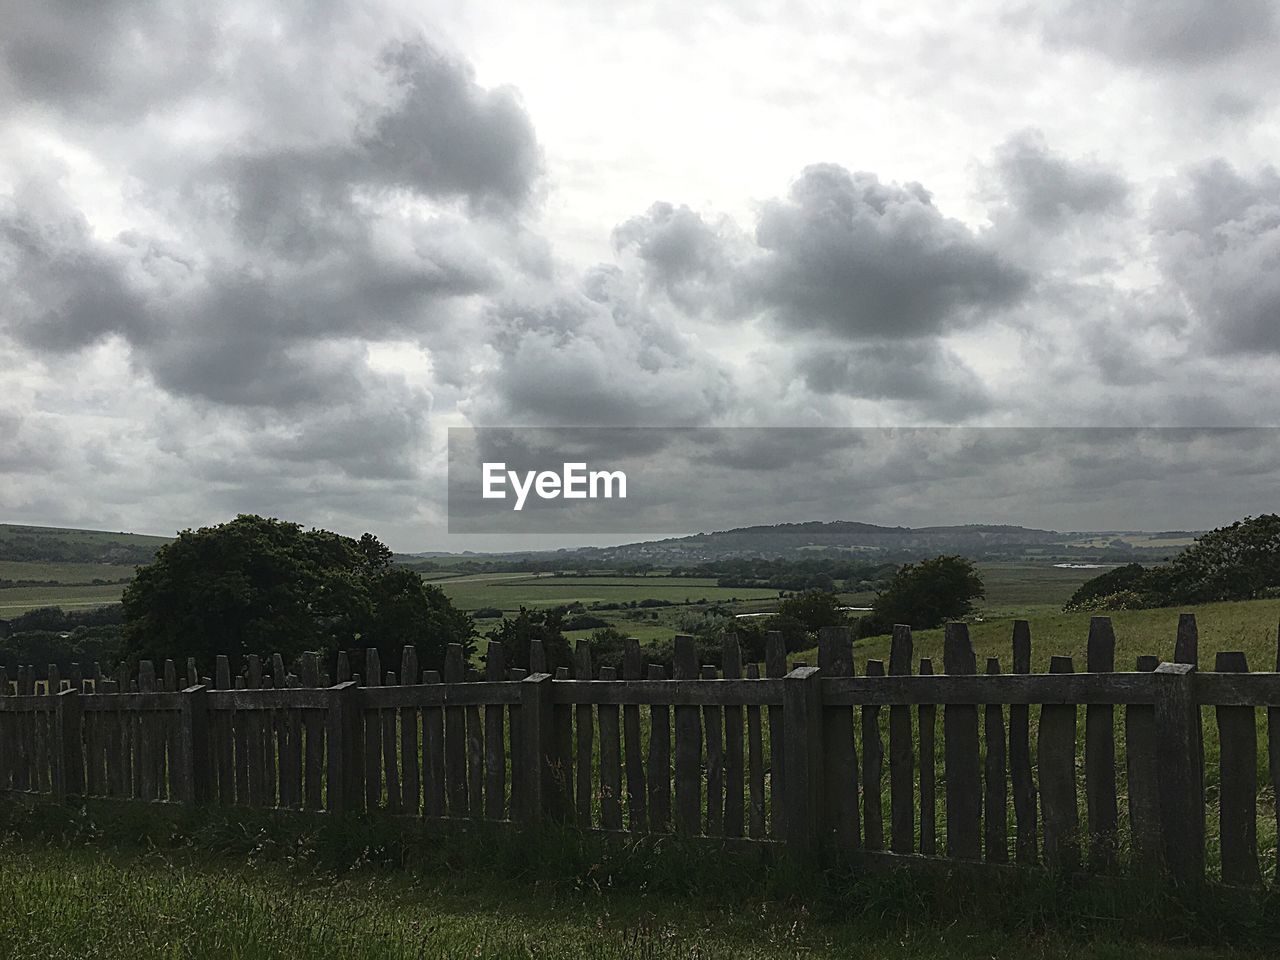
(475, 755)
(610, 761)
(755, 766)
(688, 746)
(775, 666)
(902, 815)
(495, 751)
(1237, 783)
(1100, 753)
(960, 753)
(659, 759)
(1057, 756)
(840, 759)
(928, 719)
(872, 769)
(433, 765)
(585, 787)
(1140, 766)
(637, 805)
(455, 738)
(995, 797)
(1022, 784)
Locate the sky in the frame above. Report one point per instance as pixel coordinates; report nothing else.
(261, 257)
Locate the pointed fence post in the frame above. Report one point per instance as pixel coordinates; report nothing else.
(538, 767)
(195, 787)
(802, 723)
(1180, 774)
(68, 771)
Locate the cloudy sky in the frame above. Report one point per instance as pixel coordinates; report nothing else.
(259, 257)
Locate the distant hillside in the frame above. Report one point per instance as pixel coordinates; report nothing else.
(853, 540)
(56, 545)
(848, 537)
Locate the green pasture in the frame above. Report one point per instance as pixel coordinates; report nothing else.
(64, 572)
(508, 593)
(16, 600)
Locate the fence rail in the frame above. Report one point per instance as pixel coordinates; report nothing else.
(812, 756)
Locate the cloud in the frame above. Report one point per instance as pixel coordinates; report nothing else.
(252, 272)
(449, 136)
(921, 375)
(685, 255)
(1045, 188)
(1164, 33)
(111, 59)
(1217, 232)
(853, 257)
(595, 356)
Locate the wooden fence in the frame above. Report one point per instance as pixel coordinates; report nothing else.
(797, 756)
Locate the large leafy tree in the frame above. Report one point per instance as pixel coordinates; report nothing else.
(1236, 562)
(923, 595)
(265, 586)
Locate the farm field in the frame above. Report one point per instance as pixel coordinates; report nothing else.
(508, 593)
(16, 600)
(1249, 626)
(173, 904)
(64, 572)
(1013, 589)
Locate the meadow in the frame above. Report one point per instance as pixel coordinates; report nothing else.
(140, 886)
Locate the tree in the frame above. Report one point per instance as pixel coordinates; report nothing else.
(925, 594)
(814, 609)
(265, 586)
(517, 633)
(1236, 562)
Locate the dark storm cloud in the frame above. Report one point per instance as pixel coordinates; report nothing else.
(378, 436)
(285, 251)
(920, 374)
(450, 136)
(1217, 232)
(64, 290)
(1045, 187)
(107, 59)
(851, 256)
(1164, 33)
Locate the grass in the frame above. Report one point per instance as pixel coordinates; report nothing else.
(81, 883)
(510, 593)
(75, 573)
(16, 600)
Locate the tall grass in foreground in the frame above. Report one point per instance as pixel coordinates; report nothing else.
(243, 885)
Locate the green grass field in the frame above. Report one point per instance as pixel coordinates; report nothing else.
(509, 593)
(64, 572)
(247, 887)
(16, 600)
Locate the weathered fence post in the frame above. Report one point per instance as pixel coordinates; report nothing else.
(68, 770)
(1180, 773)
(961, 757)
(194, 786)
(341, 721)
(802, 723)
(840, 761)
(538, 748)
